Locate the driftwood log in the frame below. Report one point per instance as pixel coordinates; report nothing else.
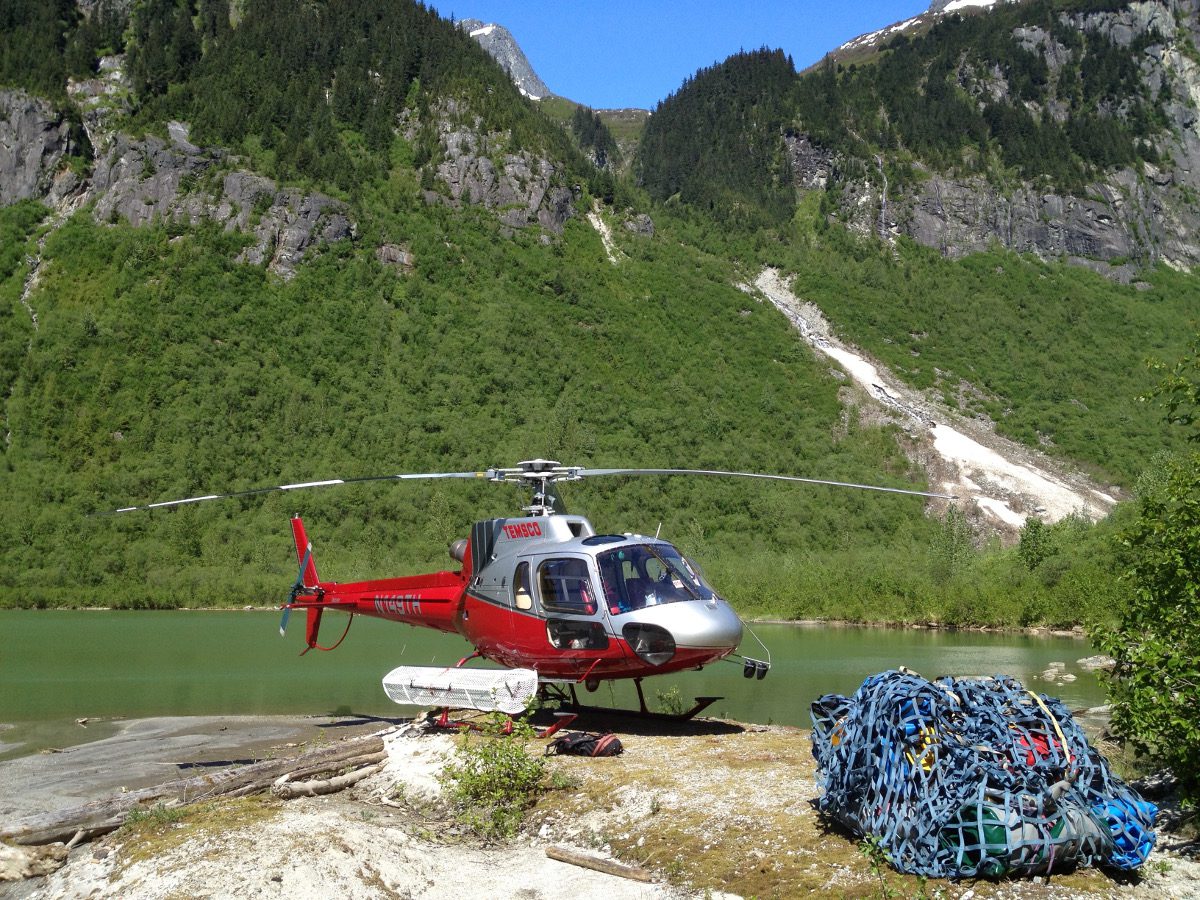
(99, 817)
(598, 863)
(285, 788)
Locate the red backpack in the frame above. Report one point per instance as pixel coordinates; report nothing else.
(585, 743)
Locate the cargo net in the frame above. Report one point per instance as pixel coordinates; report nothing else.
(973, 778)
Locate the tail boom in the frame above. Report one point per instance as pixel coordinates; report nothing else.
(429, 601)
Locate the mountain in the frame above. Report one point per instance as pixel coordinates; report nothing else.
(1067, 130)
(255, 243)
(502, 46)
(1083, 141)
(609, 137)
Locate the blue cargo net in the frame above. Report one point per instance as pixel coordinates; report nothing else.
(973, 778)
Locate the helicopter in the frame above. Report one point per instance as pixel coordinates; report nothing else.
(544, 593)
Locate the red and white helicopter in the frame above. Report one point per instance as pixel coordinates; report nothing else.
(542, 594)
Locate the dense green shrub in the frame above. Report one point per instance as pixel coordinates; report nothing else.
(1155, 688)
(494, 778)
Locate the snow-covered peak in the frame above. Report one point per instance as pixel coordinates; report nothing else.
(502, 47)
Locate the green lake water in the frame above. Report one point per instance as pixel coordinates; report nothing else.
(59, 666)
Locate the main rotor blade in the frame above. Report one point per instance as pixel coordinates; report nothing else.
(846, 484)
(166, 504)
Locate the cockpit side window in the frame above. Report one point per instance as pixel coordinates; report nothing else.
(565, 587)
(522, 597)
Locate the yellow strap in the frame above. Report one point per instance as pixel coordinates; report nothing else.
(1057, 729)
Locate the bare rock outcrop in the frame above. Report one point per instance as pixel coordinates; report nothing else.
(479, 168)
(143, 180)
(638, 223)
(396, 256)
(812, 166)
(150, 179)
(35, 141)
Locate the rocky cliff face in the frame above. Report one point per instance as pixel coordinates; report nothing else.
(148, 179)
(1130, 218)
(479, 168)
(34, 144)
(140, 180)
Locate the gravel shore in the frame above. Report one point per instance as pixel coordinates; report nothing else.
(711, 809)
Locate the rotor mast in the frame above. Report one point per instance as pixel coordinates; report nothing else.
(540, 475)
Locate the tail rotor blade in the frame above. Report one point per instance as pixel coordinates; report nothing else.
(297, 590)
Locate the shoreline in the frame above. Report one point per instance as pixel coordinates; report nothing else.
(1075, 631)
(150, 751)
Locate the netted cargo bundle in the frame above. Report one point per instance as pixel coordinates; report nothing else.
(973, 778)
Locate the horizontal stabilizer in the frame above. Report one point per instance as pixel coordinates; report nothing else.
(488, 690)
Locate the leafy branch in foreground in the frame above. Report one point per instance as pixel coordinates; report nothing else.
(1155, 689)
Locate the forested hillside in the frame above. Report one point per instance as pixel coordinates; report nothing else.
(309, 92)
(160, 368)
(717, 143)
(150, 361)
(1024, 101)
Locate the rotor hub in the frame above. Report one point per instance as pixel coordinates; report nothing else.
(536, 472)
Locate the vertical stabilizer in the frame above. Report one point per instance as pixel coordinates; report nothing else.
(308, 567)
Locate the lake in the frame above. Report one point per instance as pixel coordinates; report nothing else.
(57, 666)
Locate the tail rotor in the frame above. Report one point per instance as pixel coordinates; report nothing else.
(298, 589)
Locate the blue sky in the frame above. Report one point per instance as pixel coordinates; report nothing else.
(619, 53)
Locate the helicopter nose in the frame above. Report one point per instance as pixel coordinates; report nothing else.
(699, 625)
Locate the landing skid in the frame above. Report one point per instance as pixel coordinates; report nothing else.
(565, 694)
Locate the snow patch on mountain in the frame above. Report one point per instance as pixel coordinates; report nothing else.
(870, 40)
(936, 9)
(1006, 483)
(963, 4)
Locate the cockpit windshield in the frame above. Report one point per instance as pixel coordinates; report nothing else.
(634, 577)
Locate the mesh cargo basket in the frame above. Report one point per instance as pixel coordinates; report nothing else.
(973, 777)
